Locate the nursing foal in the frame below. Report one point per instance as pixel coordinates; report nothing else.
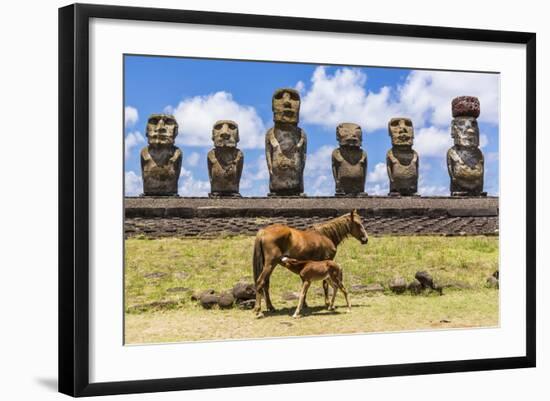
(312, 270)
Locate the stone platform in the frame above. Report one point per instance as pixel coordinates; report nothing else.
(184, 217)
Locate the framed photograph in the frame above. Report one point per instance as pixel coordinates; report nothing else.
(252, 199)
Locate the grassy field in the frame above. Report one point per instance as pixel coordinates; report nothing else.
(162, 274)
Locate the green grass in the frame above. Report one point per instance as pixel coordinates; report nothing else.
(158, 313)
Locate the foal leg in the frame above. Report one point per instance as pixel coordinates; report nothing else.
(334, 290)
(343, 289)
(339, 281)
(325, 290)
(303, 293)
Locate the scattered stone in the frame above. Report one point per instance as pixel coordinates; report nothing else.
(181, 275)
(153, 305)
(245, 303)
(243, 290)
(496, 274)
(444, 321)
(370, 288)
(198, 294)
(492, 282)
(425, 279)
(458, 285)
(376, 287)
(226, 300)
(209, 300)
(154, 275)
(415, 287)
(291, 296)
(178, 289)
(398, 285)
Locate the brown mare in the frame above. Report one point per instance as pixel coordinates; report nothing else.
(318, 243)
(312, 270)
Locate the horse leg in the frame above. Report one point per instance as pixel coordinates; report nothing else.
(325, 290)
(303, 293)
(268, 303)
(260, 289)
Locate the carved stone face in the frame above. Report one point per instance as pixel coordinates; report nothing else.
(349, 134)
(286, 106)
(401, 131)
(225, 134)
(465, 132)
(162, 130)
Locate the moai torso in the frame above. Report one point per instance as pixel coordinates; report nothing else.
(286, 146)
(349, 161)
(225, 161)
(402, 160)
(465, 160)
(161, 159)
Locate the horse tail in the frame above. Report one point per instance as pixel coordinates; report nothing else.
(258, 258)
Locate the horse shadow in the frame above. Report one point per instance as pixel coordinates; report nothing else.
(306, 312)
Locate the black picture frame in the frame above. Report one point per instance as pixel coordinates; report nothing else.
(74, 198)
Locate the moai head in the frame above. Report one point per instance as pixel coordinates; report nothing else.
(162, 130)
(225, 134)
(349, 134)
(401, 131)
(464, 128)
(286, 106)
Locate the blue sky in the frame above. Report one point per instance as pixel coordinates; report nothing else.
(199, 92)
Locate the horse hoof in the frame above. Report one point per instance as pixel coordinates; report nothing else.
(331, 308)
(259, 315)
(296, 316)
(271, 309)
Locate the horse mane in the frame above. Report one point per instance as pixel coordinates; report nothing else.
(336, 229)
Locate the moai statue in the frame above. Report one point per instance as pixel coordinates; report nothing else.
(225, 161)
(465, 160)
(349, 161)
(286, 146)
(402, 160)
(161, 159)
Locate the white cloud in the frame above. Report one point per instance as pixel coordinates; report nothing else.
(255, 177)
(483, 140)
(197, 115)
(425, 97)
(131, 116)
(319, 162)
(377, 189)
(432, 141)
(189, 186)
(379, 174)
(323, 185)
(256, 170)
(133, 184)
(192, 160)
(132, 139)
(433, 190)
(342, 97)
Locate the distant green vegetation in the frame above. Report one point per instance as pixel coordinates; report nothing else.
(161, 275)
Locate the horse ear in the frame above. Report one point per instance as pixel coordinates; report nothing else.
(352, 213)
